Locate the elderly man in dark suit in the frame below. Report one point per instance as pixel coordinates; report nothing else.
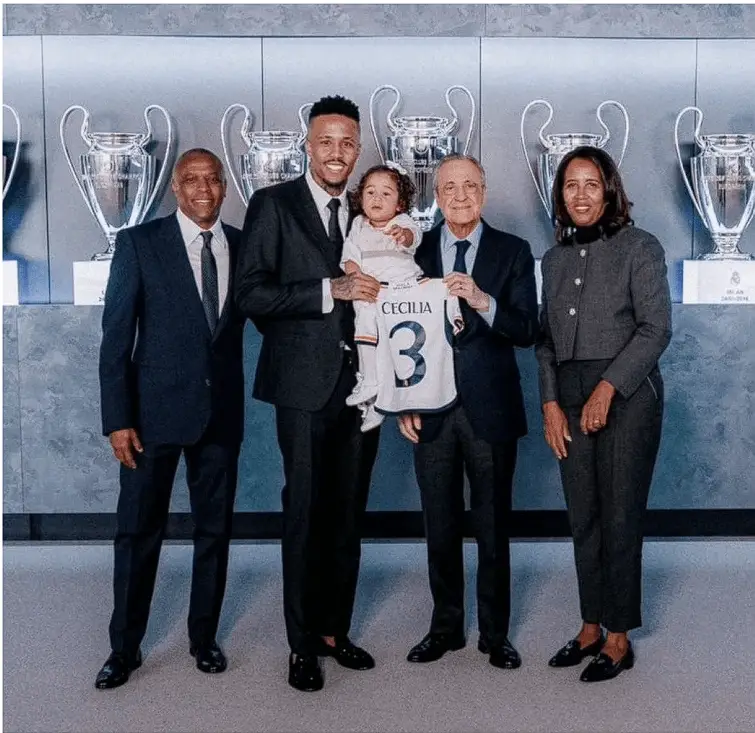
(493, 274)
(172, 383)
(290, 282)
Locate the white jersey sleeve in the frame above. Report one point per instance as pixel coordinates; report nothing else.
(417, 324)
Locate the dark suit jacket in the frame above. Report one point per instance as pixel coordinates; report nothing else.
(285, 255)
(487, 376)
(161, 371)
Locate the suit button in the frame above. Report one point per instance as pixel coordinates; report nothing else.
(583, 253)
(572, 311)
(578, 281)
(341, 344)
(208, 382)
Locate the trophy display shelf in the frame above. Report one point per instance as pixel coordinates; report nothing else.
(89, 281)
(10, 282)
(718, 282)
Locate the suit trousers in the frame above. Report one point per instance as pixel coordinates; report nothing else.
(143, 502)
(440, 465)
(606, 478)
(327, 462)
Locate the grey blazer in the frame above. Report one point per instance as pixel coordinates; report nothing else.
(608, 299)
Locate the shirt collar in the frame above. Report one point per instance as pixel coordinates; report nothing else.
(190, 230)
(321, 196)
(448, 240)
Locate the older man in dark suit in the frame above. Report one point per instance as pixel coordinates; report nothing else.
(290, 282)
(493, 274)
(172, 383)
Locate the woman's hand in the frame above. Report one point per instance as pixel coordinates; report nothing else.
(556, 428)
(595, 410)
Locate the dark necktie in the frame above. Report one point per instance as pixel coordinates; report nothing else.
(460, 264)
(209, 282)
(334, 228)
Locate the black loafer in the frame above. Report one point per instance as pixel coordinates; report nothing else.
(347, 654)
(602, 667)
(434, 646)
(210, 657)
(572, 653)
(304, 672)
(503, 656)
(116, 670)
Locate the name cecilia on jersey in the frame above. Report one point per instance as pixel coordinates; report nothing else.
(405, 307)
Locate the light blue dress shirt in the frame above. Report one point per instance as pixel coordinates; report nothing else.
(448, 256)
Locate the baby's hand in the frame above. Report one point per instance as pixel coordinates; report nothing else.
(350, 267)
(400, 235)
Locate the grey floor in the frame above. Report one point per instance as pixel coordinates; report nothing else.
(694, 668)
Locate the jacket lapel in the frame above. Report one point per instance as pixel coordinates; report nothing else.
(429, 255)
(302, 207)
(177, 271)
(486, 265)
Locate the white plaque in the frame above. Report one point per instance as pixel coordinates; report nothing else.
(90, 281)
(726, 282)
(10, 282)
(539, 280)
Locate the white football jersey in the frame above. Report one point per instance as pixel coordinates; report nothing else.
(417, 323)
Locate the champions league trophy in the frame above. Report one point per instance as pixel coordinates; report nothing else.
(16, 151)
(558, 145)
(723, 186)
(418, 144)
(272, 156)
(118, 174)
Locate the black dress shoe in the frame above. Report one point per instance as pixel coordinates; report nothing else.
(304, 672)
(602, 667)
(210, 657)
(503, 656)
(347, 654)
(434, 646)
(572, 653)
(116, 670)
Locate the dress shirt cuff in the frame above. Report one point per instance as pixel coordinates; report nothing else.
(489, 315)
(327, 297)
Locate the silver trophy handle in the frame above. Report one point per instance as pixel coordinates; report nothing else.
(303, 123)
(17, 150)
(389, 121)
(699, 112)
(607, 137)
(244, 135)
(456, 116)
(85, 137)
(164, 170)
(533, 103)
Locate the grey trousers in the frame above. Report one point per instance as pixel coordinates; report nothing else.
(606, 478)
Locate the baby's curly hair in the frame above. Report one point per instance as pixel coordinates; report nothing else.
(405, 185)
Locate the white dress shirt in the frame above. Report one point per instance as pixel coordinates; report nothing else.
(219, 246)
(322, 199)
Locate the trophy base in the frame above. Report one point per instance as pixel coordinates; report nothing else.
(102, 256)
(723, 256)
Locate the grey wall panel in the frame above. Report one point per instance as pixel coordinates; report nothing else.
(13, 491)
(575, 75)
(421, 68)
(195, 79)
(622, 20)
(726, 95)
(591, 19)
(67, 465)
(284, 19)
(708, 447)
(25, 206)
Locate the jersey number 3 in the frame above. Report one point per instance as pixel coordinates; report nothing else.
(413, 352)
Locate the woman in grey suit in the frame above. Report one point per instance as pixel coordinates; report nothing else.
(606, 319)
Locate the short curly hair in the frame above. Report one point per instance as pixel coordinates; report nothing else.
(335, 105)
(404, 184)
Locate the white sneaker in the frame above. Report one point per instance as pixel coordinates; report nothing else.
(371, 419)
(362, 392)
